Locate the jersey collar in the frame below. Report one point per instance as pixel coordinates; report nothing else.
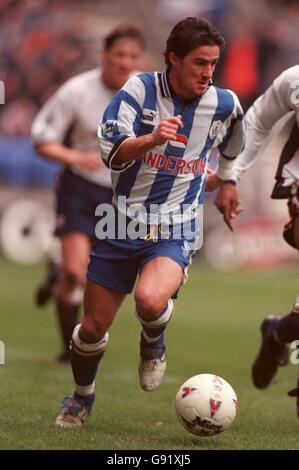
(164, 84)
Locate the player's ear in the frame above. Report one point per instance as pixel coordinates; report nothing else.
(173, 58)
(103, 55)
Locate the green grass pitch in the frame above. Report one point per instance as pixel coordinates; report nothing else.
(215, 329)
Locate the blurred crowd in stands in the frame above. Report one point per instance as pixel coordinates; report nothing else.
(41, 46)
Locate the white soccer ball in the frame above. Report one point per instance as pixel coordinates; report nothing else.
(206, 405)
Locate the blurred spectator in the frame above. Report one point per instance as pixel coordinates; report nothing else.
(240, 71)
(40, 48)
(16, 117)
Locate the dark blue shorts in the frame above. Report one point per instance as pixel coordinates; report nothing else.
(116, 263)
(77, 200)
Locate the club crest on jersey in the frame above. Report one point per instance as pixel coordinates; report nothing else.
(149, 116)
(110, 128)
(214, 129)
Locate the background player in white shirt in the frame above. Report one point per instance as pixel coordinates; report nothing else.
(280, 99)
(156, 136)
(65, 130)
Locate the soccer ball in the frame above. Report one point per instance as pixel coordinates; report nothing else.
(206, 405)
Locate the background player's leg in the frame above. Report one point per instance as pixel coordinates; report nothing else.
(287, 328)
(46, 289)
(160, 278)
(277, 332)
(69, 293)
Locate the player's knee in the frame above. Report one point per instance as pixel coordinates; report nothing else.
(73, 277)
(149, 304)
(70, 287)
(92, 330)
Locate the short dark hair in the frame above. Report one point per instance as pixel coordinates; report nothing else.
(189, 34)
(124, 31)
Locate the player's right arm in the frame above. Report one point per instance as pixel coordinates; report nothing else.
(135, 147)
(119, 140)
(50, 127)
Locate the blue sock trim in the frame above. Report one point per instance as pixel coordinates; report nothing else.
(87, 401)
(154, 350)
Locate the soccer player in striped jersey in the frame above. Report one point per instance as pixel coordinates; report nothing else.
(280, 99)
(156, 137)
(65, 130)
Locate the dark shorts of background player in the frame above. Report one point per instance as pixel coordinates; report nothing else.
(116, 263)
(76, 202)
(291, 193)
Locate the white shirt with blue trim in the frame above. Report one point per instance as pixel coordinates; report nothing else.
(73, 113)
(279, 99)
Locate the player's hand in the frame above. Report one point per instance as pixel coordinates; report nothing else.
(167, 130)
(212, 181)
(88, 161)
(228, 203)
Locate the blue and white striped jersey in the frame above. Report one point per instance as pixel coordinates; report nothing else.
(171, 174)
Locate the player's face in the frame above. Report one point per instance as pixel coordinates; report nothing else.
(121, 60)
(190, 76)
